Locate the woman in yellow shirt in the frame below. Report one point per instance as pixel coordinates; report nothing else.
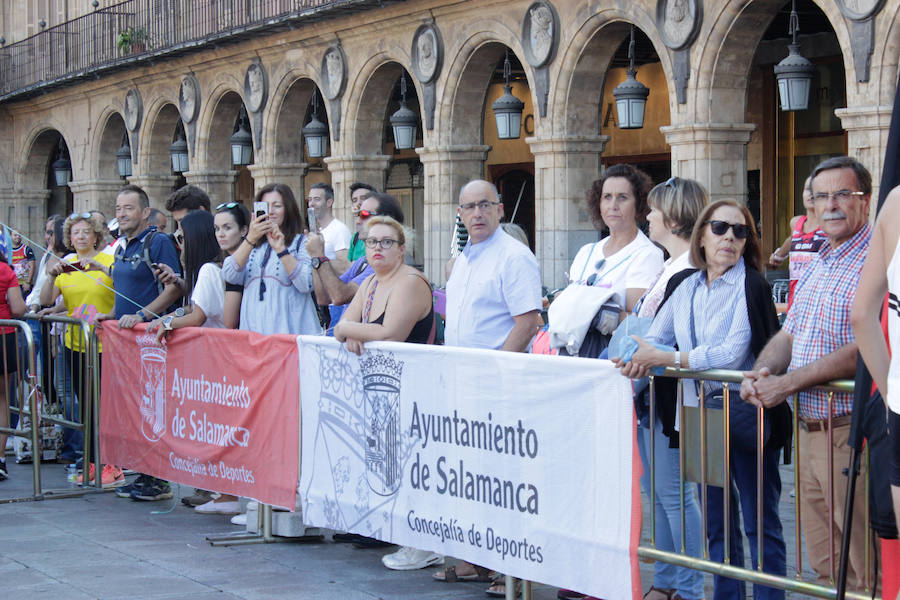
(83, 279)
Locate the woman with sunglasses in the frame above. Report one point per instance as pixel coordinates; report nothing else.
(274, 268)
(624, 263)
(720, 317)
(83, 280)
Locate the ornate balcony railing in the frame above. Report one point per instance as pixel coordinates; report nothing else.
(132, 31)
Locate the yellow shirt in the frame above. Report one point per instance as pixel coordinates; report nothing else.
(86, 295)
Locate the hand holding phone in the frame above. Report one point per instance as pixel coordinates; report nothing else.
(311, 219)
(260, 208)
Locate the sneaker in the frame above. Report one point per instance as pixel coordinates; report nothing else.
(240, 519)
(3, 472)
(228, 507)
(111, 476)
(197, 498)
(154, 489)
(410, 559)
(124, 491)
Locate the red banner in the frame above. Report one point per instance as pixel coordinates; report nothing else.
(216, 409)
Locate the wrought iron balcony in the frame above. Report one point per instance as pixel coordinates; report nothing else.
(134, 31)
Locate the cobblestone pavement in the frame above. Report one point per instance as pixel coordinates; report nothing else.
(100, 546)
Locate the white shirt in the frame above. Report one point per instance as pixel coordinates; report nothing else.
(337, 237)
(491, 282)
(209, 295)
(637, 265)
(34, 297)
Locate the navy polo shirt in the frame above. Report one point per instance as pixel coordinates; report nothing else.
(133, 281)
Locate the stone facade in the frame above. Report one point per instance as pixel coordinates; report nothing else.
(707, 134)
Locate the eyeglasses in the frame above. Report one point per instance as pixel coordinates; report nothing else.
(482, 205)
(842, 196)
(741, 232)
(386, 243)
(365, 214)
(226, 206)
(84, 215)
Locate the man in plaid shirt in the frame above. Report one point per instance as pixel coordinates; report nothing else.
(816, 345)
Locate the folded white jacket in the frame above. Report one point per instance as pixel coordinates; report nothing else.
(572, 311)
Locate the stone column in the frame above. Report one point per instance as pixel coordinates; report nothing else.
(347, 169)
(564, 169)
(292, 174)
(867, 134)
(219, 185)
(447, 169)
(96, 194)
(715, 154)
(158, 188)
(25, 210)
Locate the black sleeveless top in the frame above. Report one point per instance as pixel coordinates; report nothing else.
(421, 331)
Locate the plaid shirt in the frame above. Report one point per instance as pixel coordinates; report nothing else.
(819, 319)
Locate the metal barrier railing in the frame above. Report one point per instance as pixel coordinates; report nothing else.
(24, 389)
(704, 563)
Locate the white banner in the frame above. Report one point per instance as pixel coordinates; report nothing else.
(520, 463)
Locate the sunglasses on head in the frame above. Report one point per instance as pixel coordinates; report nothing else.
(365, 214)
(226, 206)
(741, 232)
(84, 215)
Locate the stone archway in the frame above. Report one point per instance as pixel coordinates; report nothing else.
(155, 162)
(37, 195)
(215, 172)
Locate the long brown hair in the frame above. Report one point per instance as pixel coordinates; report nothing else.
(293, 222)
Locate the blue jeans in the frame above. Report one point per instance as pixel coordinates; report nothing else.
(743, 498)
(667, 506)
(73, 439)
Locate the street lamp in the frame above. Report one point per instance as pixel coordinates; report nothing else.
(508, 109)
(403, 122)
(315, 133)
(123, 157)
(794, 73)
(179, 151)
(631, 95)
(62, 168)
(241, 141)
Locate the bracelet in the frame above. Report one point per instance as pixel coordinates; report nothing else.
(283, 253)
(677, 359)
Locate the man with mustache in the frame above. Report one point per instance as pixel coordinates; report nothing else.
(816, 345)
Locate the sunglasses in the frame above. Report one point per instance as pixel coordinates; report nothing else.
(365, 214)
(593, 278)
(84, 215)
(226, 206)
(741, 232)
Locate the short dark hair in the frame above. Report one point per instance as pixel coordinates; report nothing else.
(329, 191)
(294, 222)
(388, 206)
(200, 246)
(359, 185)
(863, 177)
(188, 197)
(130, 188)
(640, 186)
(752, 252)
(154, 212)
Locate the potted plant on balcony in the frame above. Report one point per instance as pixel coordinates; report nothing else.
(132, 40)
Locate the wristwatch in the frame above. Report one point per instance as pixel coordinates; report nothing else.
(142, 315)
(167, 322)
(179, 312)
(318, 260)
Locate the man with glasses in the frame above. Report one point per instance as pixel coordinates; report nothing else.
(816, 345)
(358, 192)
(339, 287)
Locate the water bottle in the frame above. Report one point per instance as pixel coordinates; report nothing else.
(72, 475)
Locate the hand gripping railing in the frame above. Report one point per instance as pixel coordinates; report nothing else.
(703, 563)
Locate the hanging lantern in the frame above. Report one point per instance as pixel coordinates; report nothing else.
(508, 109)
(241, 142)
(315, 133)
(403, 122)
(794, 74)
(62, 168)
(123, 158)
(631, 95)
(179, 152)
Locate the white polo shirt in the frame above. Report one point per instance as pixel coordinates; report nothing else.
(491, 282)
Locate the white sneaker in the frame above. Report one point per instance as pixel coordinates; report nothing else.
(410, 559)
(239, 519)
(231, 507)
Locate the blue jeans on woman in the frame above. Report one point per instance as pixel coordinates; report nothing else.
(667, 506)
(743, 498)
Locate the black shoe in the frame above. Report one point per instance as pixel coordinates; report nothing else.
(154, 489)
(124, 491)
(3, 472)
(365, 543)
(347, 538)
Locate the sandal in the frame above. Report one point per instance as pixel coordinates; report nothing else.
(449, 575)
(498, 588)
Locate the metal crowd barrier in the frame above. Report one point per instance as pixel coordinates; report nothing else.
(795, 583)
(46, 391)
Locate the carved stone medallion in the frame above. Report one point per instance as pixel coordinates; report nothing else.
(256, 87)
(333, 72)
(134, 108)
(678, 21)
(540, 33)
(189, 99)
(427, 53)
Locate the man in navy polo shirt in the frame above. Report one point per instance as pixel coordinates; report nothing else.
(138, 295)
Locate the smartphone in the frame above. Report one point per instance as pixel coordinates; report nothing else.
(311, 219)
(69, 268)
(260, 208)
